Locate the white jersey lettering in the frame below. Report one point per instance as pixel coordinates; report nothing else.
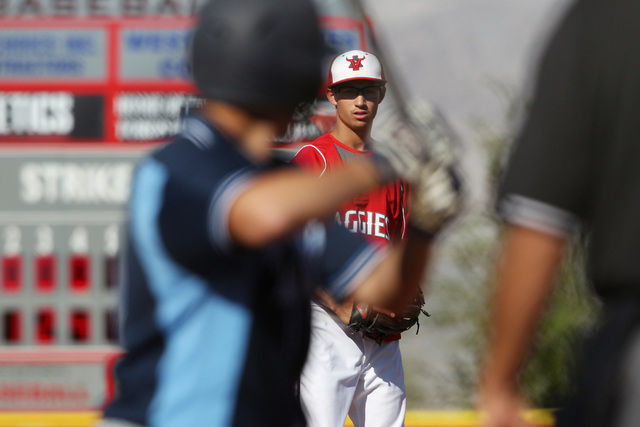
(348, 224)
(365, 222)
(381, 226)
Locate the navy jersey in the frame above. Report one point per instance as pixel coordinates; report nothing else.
(216, 334)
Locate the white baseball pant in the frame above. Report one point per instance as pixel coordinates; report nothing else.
(346, 373)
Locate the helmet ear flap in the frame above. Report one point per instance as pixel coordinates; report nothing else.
(262, 56)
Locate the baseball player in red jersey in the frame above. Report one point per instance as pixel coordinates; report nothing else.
(347, 373)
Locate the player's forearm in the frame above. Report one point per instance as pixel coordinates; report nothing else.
(414, 262)
(277, 204)
(334, 187)
(415, 257)
(524, 282)
(392, 284)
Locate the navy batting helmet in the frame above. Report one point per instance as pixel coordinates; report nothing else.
(262, 55)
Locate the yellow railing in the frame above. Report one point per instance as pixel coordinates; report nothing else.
(538, 417)
(48, 419)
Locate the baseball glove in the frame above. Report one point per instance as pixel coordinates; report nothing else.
(378, 326)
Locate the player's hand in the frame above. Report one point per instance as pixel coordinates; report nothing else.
(502, 408)
(418, 146)
(409, 138)
(436, 198)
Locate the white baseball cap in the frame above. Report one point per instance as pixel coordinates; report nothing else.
(355, 65)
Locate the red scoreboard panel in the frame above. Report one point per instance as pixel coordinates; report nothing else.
(93, 80)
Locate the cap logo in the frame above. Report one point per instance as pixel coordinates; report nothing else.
(356, 62)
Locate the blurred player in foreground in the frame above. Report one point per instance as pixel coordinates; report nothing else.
(347, 372)
(576, 163)
(222, 256)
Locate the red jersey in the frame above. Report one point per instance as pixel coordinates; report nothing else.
(381, 214)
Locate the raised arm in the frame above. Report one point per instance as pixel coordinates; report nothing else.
(278, 204)
(524, 281)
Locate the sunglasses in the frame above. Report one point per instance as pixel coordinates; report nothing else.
(370, 93)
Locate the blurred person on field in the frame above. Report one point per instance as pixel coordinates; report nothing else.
(575, 169)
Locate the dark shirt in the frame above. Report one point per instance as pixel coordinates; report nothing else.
(577, 158)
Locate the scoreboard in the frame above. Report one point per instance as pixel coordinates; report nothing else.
(61, 231)
(83, 95)
(87, 87)
(103, 80)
